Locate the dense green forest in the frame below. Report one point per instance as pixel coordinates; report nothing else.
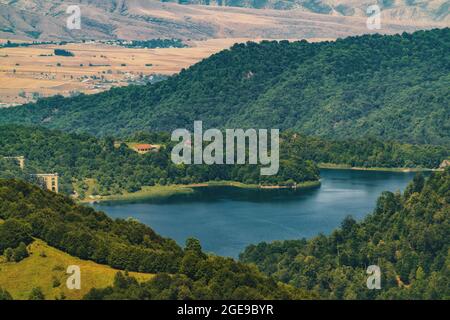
(407, 236)
(77, 157)
(30, 212)
(368, 152)
(388, 87)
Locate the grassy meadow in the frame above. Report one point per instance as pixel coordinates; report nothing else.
(46, 268)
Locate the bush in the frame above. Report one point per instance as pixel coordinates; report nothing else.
(20, 252)
(4, 295)
(56, 282)
(9, 254)
(36, 294)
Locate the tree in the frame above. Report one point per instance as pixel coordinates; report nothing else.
(20, 252)
(193, 245)
(9, 254)
(123, 281)
(189, 264)
(36, 294)
(417, 184)
(4, 295)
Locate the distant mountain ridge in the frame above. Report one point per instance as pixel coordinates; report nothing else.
(146, 19)
(431, 10)
(390, 87)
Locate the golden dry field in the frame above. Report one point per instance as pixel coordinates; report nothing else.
(29, 72)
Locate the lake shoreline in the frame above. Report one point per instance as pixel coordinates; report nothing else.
(159, 191)
(227, 220)
(386, 169)
(152, 192)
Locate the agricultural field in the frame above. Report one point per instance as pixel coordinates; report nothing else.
(27, 73)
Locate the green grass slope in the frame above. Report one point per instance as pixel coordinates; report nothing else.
(46, 268)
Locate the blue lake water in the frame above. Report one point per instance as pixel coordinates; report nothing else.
(227, 219)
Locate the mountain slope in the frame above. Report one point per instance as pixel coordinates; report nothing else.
(82, 232)
(392, 87)
(146, 19)
(407, 236)
(434, 10)
(45, 264)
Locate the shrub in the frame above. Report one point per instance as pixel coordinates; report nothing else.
(56, 282)
(36, 294)
(9, 254)
(4, 295)
(20, 252)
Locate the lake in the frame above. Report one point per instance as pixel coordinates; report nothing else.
(227, 219)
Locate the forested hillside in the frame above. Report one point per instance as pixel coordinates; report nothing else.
(365, 153)
(407, 236)
(29, 212)
(77, 157)
(389, 87)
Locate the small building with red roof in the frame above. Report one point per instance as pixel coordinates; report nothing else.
(145, 148)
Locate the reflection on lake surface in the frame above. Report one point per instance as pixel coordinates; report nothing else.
(227, 219)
